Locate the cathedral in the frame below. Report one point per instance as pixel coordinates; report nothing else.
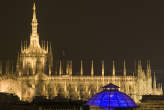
(34, 68)
(34, 58)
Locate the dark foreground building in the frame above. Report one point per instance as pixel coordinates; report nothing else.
(71, 105)
(152, 102)
(12, 102)
(41, 103)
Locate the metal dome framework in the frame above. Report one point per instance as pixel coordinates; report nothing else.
(112, 98)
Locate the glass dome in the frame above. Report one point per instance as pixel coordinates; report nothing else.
(111, 97)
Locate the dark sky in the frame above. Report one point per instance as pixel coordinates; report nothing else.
(98, 29)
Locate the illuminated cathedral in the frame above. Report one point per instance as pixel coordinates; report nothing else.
(34, 75)
(34, 58)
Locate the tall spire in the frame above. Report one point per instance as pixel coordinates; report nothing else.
(81, 68)
(60, 68)
(103, 68)
(124, 71)
(148, 70)
(114, 71)
(34, 12)
(70, 67)
(140, 75)
(92, 69)
(67, 68)
(154, 82)
(34, 40)
(47, 47)
(50, 59)
(34, 21)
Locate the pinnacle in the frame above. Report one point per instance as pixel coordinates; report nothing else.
(34, 7)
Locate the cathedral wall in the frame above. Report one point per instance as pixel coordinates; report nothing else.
(73, 87)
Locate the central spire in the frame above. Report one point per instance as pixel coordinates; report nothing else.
(34, 21)
(34, 12)
(34, 40)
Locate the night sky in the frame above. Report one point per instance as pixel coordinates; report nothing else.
(91, 29)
